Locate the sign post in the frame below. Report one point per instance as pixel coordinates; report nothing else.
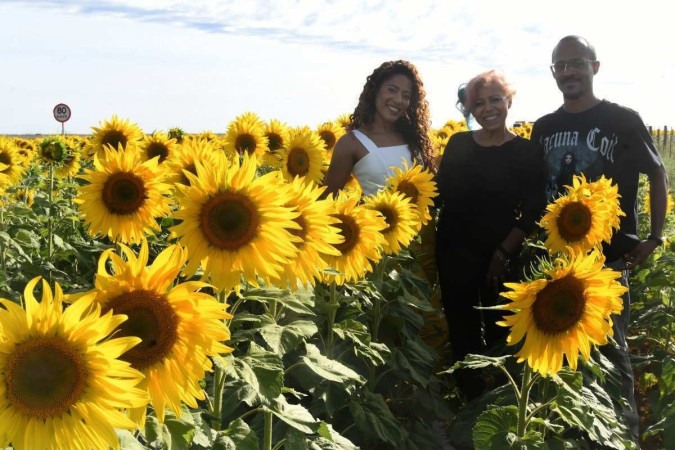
(62, 114)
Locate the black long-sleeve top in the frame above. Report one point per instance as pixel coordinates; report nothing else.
(484, 192)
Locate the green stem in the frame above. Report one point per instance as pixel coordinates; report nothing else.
(234, 307)
(377, 381)
(218, 384)
(249, 413)
(268, 431)
(332, 312)
(272, 308)
(537, 409)
(377, 307)
(523, 400)
(50, 226)
(514, 385)
(280, 444)
(218, 387)
(293, 366)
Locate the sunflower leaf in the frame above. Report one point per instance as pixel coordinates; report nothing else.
(327, 432)
(473, 361)
(374, 419)
(238, 436)
(496, 428)
(416, 359)
(128, 441)
(262, 370)
(283, 338)
(300, 302)
(296, 416)
(329, 369)
(157, 434)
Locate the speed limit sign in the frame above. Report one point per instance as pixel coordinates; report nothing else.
(62, 112)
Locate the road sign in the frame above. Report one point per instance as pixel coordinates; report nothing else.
(62, 112)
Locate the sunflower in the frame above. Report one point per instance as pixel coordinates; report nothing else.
(329, 133)
(417, 184)
(361, 229)
(11, 168)
(113, 133)
(584, 217)
(400, 215)
(604, 189)
(352, 188)
(52, 150)
(207, 135)
(303, 156)
(62, 384)
(317, 234)
(344, 120)
(123, 197)
(157, 145)
(25, 196)
(277, 134)
(71, 164)
(565, 313)
(669, 205)
(179, 327)
(235, 224)
(246, 135)
(191, 152)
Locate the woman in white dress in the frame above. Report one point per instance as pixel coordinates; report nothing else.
(389, 127)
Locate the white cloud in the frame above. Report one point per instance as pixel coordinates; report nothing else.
(198, 64)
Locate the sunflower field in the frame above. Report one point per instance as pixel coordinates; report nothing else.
(200, 291)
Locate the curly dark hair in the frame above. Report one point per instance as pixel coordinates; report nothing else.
(414, 124)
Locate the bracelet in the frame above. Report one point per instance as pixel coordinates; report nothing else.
(657, 239)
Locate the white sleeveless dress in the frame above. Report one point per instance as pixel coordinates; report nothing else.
(373, 169)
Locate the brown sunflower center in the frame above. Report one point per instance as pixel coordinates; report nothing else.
(45, 376)
(114, 138)
(349, 229)
(409, 190)
(229, 220)
(559, 306)
(574, 221)
(5, 158)
(298, 162)
(151, 318)
(275, 142)
(302, 232)
(123, 193)
(390, 217)
(328, 138)
(190, 168)
(245, 143)
(157, 149)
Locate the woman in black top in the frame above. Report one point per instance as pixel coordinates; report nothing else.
(491, 186)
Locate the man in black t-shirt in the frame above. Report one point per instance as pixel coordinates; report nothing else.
(611, 140)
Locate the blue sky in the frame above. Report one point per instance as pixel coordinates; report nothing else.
(199, 64)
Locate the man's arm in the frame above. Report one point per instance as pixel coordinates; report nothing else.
(658, 194)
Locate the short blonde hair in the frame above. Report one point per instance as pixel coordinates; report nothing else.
(489, 78)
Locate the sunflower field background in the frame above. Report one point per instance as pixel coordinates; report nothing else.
(173, 290)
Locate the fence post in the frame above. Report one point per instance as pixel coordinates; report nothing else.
(665, 135)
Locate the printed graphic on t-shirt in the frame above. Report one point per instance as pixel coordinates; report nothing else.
(573, 152)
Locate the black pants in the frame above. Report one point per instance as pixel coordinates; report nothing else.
(471, 330)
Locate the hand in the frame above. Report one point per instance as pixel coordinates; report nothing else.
(496, 271)
(639, 254)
